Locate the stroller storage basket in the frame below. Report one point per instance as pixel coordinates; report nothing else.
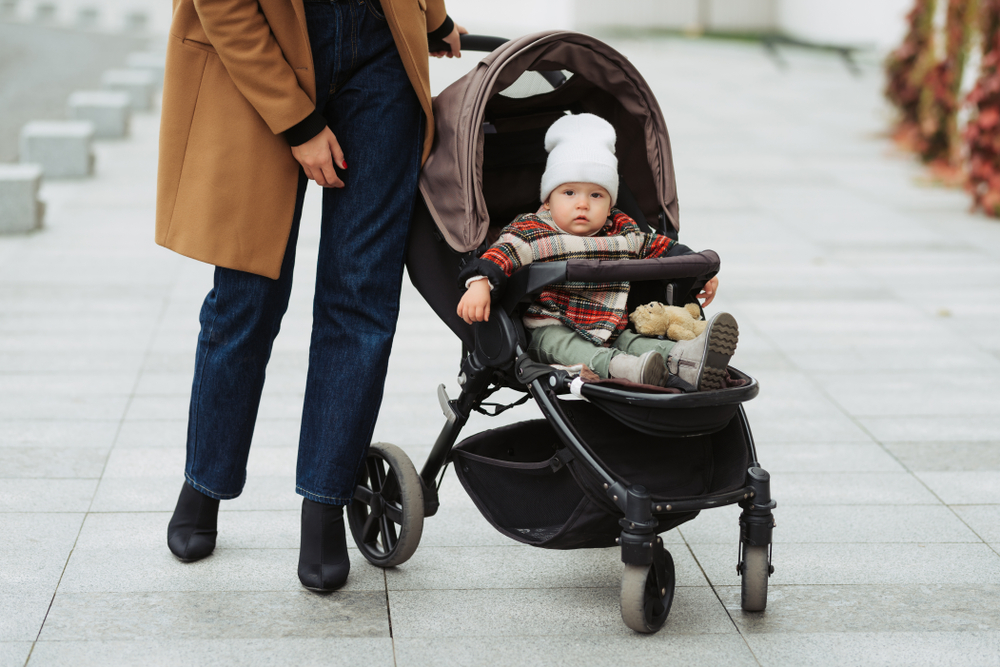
(531, 488)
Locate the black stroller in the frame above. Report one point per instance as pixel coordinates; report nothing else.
(609, 465)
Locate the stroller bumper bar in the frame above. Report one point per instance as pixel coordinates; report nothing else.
(699, 266)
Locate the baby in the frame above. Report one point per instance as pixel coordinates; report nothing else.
(585, 323)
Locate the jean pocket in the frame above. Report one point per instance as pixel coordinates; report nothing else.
(375, 8)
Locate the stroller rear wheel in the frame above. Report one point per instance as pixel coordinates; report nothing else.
(387, 514)
(645, 602)
(755, 570)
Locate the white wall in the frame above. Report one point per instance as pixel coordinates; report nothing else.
(673, 14)
(512, 18)
(875, 23)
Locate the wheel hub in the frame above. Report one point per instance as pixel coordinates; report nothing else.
(377, 505)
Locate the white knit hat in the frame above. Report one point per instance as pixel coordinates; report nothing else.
(581, 150)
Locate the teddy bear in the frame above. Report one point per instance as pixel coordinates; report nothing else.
(655, 319)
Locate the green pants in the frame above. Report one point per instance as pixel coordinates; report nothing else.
(561, 345)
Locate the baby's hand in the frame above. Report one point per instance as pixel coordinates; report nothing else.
(475, 303)
(708, 291)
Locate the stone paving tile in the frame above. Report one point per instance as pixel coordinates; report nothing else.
(853, 563)
(513, 612)
(58, 360)
(826, 458)
(970, 487)
(44, 405)
(900, 608)
(185, 615)
(66, 384)
(915, 393)
(841, 488)
(521, 566)
(772, 424)
(153, 433)
(946, 456)
(53, 462)
(984, 519)
(46, 495)
(38, 433)
(129, 570)
(887, 649)
(938, 428)
(14, 653)
(839, 524)
(333, 651)
(563, 651)
(22, 612)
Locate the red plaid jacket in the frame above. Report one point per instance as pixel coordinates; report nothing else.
(596, 311)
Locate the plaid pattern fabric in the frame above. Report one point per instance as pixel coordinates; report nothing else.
(596, 311)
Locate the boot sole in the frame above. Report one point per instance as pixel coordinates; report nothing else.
(723, 334)
(654, 371)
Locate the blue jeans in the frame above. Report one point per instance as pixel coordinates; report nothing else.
(369, 103)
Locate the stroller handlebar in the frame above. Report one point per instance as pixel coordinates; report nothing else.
(695, 268)
(483, 43)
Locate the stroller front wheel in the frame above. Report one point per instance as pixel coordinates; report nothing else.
(754, 570)
(645, 602)
(387, 513)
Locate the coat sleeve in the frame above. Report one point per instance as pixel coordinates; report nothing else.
(242, 38)
(438, 20)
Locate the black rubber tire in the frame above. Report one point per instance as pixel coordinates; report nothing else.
(644, 605)
(387, 514)
(754, 570)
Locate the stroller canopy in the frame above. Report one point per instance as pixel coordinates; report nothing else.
(603, 82)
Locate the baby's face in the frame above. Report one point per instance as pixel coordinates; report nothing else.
(579, 208)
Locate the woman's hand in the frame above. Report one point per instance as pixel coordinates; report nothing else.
(454, 41)
(475, 303)
(708, 291)
(316, 157)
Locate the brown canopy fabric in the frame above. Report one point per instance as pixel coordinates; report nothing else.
(604, 82)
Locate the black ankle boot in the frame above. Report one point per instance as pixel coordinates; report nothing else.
(323, 561)
(193, 527)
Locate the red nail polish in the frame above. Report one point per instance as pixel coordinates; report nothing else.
(345, 164)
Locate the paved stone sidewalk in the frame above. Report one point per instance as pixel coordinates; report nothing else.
(869, 304)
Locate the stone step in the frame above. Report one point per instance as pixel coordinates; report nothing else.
(138, 83)
(20, 209)
(63, 148)
(108, 110)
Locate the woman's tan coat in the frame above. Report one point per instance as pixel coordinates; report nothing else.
(238, 74)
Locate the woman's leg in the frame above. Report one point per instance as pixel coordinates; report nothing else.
(239, 319)
(372, 109)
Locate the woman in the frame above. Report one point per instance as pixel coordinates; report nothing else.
(259, 97)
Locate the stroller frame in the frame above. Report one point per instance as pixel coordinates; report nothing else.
(648, 581)
(392, 499)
